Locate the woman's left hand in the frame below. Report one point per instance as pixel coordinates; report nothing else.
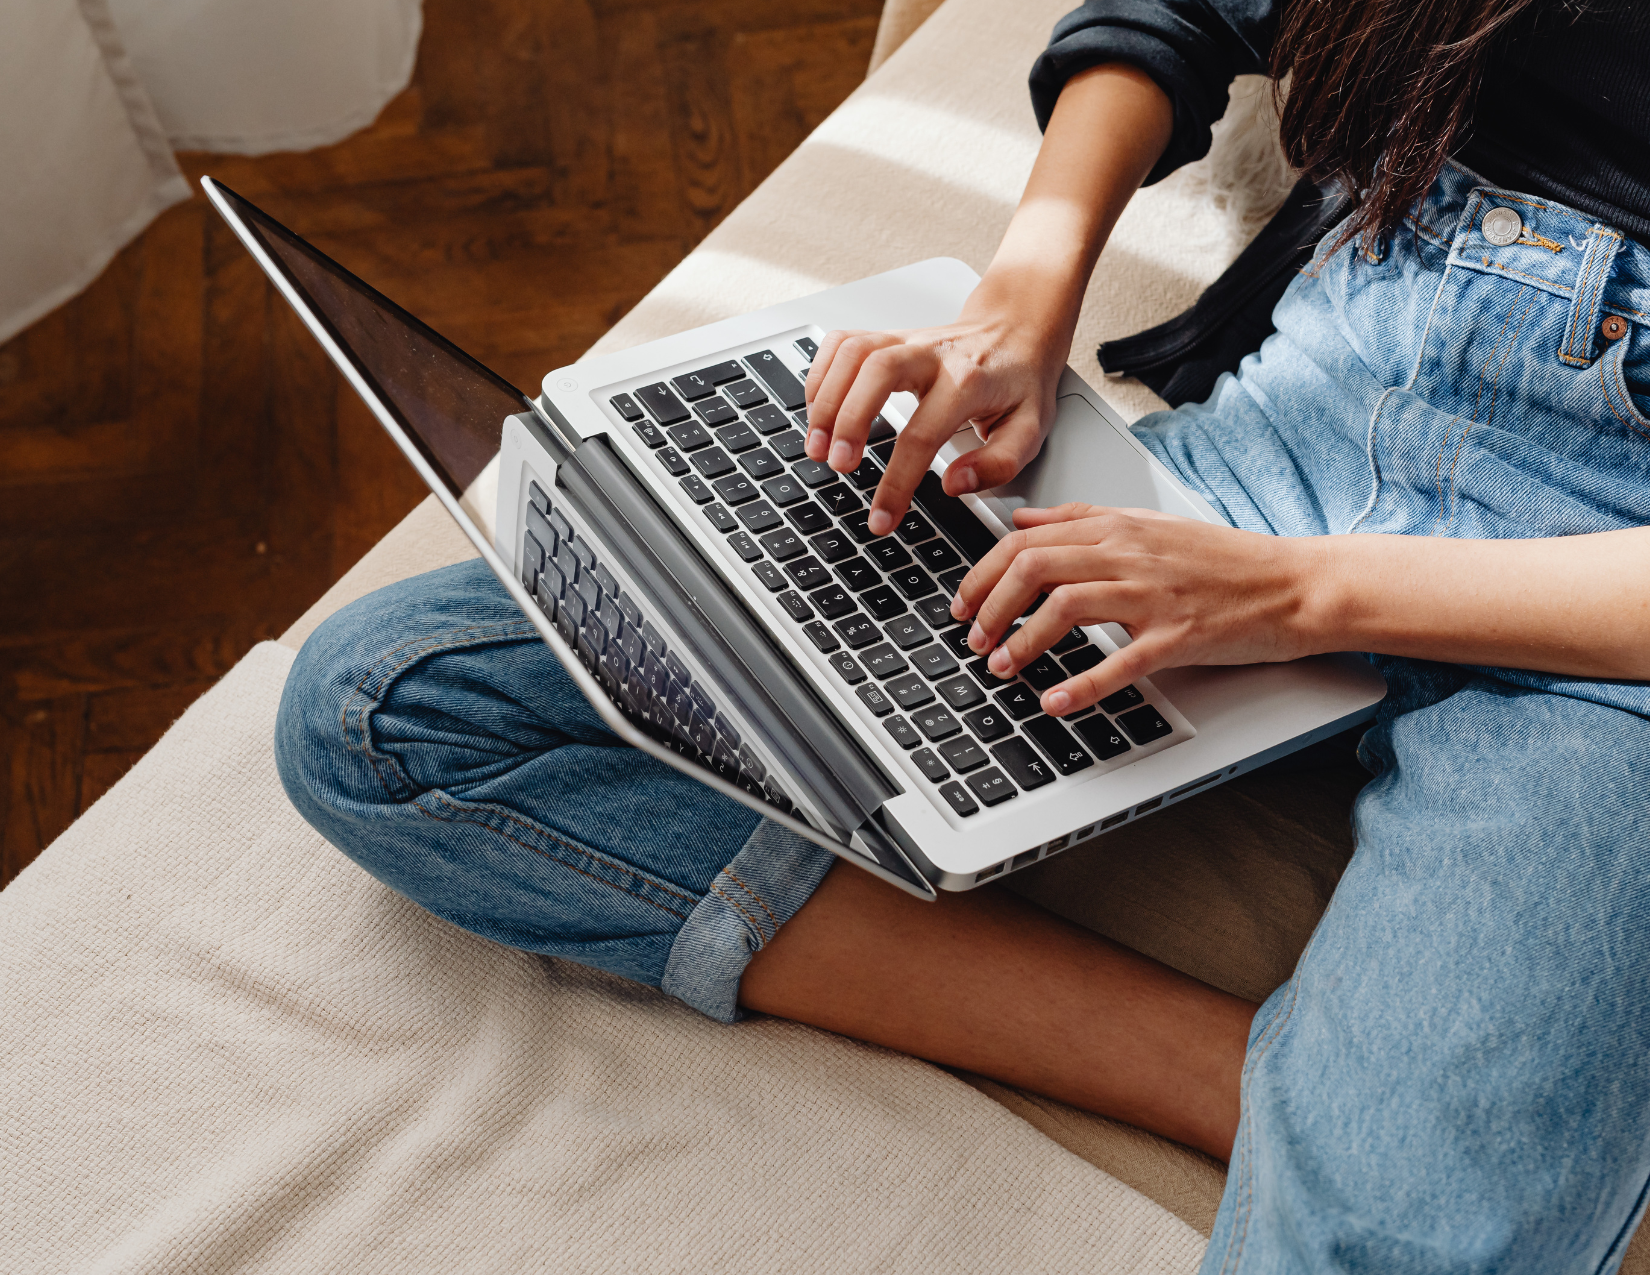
(1187, 592)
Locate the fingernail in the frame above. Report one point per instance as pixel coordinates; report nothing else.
(839, 456)
(968, 480)
(976, 638)
(1057, 702)
(881, 522)
(959, 608)
(817, 441)
(999, 661)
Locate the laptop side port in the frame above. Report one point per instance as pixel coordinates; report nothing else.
(1020, 860)
(987, 873)
(1111, 821)
(1144, 806)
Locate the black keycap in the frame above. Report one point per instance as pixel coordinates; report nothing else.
(703, 702)
(914, 528)
(783, 490)
(847, 668)
(884, 451)
(959, 691)
(787, 446)
(963, 754)
(857, 526)
(857, 631)
(839, 498)
(857, 574)
(571, 609)
(935, 723)
(808, 346)
(1145, 724)
(901, 730)
(724, 761)
(888, 553)
(711, 462)
(546, 597)
(696, 490)
(761, 464)
(867, 475)
(1019, 760)
(751, 764)
(937, 556)
(956, 796)
(989, 723)
(744, 546)
(661, 404)
(626, 407)
(689, 437)
(721, 373)
(808, 573)
(881, 428)
(767, 418)
(815, 473)
(1103, 737)
(727, 730)
(702, 733)
(873, 699)
(784, 387)
(981, 669)
(716, 411)
(884, 661)
(672, 460)
(737, 438)
(955, 640)
(745, 393)
(954, 518)
(593, 632)
(631, 612)
(1044, 672)
(773, 580)
(882, 602)
(693, 385)
(583, 554)
(933, 769)
(913, 582)
(833, 601)
(934, 661)
(1057, 745)
(720, 518)
(832, 546)
(1073, 639)
(783, 543)
(649, 433)
(808, 518)
(907, 632)
(936, 609)
(796, 606)
(532, 551)
(1019, 701)
(589, 590)
(1082, 659)
(537, 498)
(823, 639)
(562, 528)
(951, 580)
(736, 489)
(758, 516)
(677, 670)
(1117, 701)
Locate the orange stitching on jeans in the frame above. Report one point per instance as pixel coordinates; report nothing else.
(1495, 389)
(1589, 289)
(1609, 400)
(571, 867)
(541, 830)
(759, 903)
(728, 899)
(1540, 241)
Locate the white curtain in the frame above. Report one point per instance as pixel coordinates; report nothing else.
(96, 94)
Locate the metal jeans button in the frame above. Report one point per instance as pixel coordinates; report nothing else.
(1613, 328)
(1502, 226)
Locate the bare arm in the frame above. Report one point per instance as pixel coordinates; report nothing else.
(999, 363)
(1191, 593)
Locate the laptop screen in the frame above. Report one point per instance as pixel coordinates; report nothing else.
(451, 407)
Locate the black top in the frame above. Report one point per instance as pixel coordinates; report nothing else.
(1564, 111)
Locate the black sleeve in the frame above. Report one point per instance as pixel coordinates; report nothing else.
(1192, 48)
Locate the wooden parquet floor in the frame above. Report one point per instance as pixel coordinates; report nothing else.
(182, 473)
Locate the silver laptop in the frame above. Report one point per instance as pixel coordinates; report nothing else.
(717, 596)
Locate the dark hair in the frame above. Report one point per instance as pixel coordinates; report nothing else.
(1382, 92)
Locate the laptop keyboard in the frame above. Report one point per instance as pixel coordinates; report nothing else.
(878, 608)
(628, 653)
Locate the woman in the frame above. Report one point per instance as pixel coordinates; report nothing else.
(1442, 456)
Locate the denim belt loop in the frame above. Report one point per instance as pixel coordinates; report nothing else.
(1581, 343)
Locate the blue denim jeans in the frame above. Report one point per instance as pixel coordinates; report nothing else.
(1457, 1076)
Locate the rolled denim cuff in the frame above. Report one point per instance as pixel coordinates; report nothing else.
(767, 883)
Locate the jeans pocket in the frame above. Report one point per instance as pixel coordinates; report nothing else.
(1624, 379)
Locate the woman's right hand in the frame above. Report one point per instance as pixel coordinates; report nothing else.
(994, 367)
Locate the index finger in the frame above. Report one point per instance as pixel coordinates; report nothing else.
(934, 421)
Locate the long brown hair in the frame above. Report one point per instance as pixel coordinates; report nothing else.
(1382, 92)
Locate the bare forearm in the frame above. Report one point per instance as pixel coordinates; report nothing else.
(1109, 127)
(1578, 605)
